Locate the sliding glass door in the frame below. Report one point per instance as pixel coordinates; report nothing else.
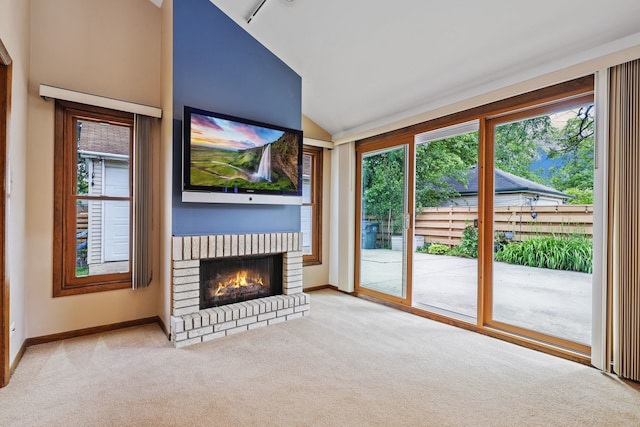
(445, 265)
(487, 222)
(384, 223)
(543, 224)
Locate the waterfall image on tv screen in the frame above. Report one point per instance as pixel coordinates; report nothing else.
(231, 155)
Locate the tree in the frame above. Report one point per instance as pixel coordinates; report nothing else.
(519, 144)
(574, 148)
(82, 175)
(516, 145)
(439, 163)
(580, 197)
(382, 185)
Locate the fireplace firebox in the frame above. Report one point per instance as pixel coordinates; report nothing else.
(235, 279)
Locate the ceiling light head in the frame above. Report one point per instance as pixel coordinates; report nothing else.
(261, 3)
(255, 12)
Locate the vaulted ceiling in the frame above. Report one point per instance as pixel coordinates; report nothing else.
(366, 63)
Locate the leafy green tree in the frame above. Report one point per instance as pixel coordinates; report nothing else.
(438, 163)
(574, 147)
(516, 145)
(577, 133)
(81, 174)
(382, 184)
(580, 196)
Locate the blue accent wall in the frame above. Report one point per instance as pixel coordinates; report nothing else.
(217, 66)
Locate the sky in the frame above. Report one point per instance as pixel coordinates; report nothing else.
(229, 135)
(559, 120)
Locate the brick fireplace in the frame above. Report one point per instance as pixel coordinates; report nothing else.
(191, 325)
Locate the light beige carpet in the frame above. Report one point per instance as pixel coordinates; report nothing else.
(350, 363)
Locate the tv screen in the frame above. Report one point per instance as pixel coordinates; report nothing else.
(226, 154)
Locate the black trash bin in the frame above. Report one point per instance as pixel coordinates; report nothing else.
(369, 234)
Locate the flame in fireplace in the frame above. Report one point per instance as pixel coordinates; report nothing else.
(240, 280)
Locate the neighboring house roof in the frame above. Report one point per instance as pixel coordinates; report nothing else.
(104, 138)
(505, 182)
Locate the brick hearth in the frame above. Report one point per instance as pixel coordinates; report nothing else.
(190, 325)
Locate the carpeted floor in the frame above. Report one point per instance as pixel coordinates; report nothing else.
(350, 363)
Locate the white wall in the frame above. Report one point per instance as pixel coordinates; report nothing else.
(106, 48)
(14, 33)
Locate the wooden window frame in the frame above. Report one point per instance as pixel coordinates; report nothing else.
(65, 281)
(315, 258)
(5, 320)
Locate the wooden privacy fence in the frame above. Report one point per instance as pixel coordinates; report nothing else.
(82, 225)
(445, 224)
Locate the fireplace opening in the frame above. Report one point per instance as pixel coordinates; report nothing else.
(229, 280)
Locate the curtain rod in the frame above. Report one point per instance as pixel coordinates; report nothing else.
(99, 101)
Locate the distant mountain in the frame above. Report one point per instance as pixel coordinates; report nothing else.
(542, 166)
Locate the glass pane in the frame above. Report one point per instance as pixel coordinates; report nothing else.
(307, 174)
(306, 219)
(543, 224)
(103, 159)
(102, 237)
(382, 259)
(445, 266)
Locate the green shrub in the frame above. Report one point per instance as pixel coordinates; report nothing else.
(438, 249)
(468, 246)
(424, 249)
(500, 241)
(571, 254)
(455, 251)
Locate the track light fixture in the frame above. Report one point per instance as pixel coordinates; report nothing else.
(262, 2)
(255, 12)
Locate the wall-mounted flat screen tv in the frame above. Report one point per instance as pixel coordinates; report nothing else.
(233, 160)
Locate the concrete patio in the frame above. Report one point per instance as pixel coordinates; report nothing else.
(554, 302)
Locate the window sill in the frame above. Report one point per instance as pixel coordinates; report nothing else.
(311, 262)
(86, 289)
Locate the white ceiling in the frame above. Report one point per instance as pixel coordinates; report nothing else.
(365, 63)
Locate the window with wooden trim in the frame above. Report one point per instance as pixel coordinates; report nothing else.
(92, 199)
(311, 214)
